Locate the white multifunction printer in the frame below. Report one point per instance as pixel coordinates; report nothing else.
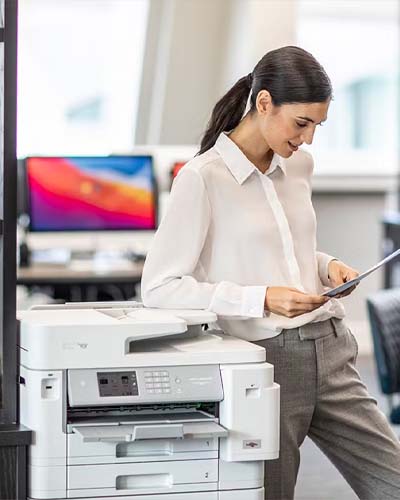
(143, 404)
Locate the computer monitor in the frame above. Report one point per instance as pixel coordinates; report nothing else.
(84, 193)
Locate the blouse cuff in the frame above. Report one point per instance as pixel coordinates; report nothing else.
(253, 304)
(323, 265)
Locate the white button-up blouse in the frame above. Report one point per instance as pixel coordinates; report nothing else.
(229, 232)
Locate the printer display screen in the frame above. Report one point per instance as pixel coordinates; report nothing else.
(117, 384)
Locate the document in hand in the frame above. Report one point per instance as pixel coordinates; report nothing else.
(342, 288)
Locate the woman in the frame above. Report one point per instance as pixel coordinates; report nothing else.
(239, 239)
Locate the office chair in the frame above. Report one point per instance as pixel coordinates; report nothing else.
(384, 316)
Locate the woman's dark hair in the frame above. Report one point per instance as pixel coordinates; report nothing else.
(290, 74)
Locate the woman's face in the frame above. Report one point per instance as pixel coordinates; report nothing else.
(288, 126)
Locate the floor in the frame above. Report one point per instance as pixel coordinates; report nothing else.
(318, 479)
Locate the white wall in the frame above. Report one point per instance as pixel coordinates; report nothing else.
(182, 67)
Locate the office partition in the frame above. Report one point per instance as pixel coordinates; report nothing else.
(8, 174)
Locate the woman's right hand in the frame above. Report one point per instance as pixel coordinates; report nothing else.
(291, 302)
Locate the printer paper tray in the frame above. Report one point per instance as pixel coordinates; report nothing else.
(152, 450)
(128, 433)
(142, 478)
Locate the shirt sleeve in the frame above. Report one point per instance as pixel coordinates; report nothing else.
(168, 281)
(323, 260)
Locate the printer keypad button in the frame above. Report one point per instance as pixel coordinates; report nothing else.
(165, 385)
(150, 391)
(158, 391)
(165, 374)
(166, 390)
(157, 385)
(149, 386)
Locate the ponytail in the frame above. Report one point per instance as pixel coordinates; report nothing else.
(227, 113)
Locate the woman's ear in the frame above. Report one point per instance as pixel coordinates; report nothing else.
(263, 102)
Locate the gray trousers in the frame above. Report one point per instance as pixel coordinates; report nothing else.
(323, 397)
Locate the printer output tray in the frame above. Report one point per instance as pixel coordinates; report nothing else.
(194, 424)
(128, 433)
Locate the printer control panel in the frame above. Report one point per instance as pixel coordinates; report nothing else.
(117, 383)
(144, 385)
(125, 383)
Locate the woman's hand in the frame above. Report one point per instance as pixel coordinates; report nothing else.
(290, 302)
(339, 273)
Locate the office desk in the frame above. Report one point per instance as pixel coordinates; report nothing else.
(86, 283)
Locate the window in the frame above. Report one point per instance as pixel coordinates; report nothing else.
(357, 42)
(80, 65)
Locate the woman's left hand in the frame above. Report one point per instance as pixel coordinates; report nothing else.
(339, 273)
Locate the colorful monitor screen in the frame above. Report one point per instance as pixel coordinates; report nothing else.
(91, 193)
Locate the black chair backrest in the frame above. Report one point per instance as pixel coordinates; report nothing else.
(384, 314)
